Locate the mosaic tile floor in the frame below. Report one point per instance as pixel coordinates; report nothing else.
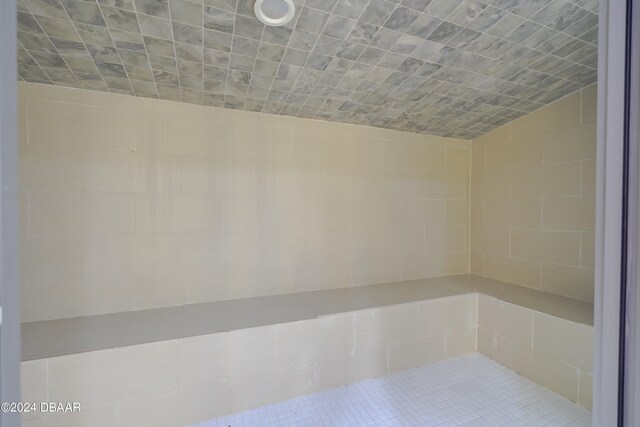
(468, 391)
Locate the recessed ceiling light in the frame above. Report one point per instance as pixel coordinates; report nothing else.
(274, 12)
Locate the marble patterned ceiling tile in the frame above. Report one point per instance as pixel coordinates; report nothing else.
(451, 68)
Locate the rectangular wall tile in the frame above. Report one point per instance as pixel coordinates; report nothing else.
(533, 186)
(251, 204)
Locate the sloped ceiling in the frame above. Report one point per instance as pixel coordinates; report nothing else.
(443, 67)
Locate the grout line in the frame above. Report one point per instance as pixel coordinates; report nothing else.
(116, 49)
(147, 52)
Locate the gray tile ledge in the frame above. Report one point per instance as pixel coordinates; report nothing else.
(60, 337)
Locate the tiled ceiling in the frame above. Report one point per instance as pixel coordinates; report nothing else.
(445, 67)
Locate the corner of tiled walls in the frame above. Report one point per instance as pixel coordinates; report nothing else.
(134, 203)
(551, 351)
(532, 199)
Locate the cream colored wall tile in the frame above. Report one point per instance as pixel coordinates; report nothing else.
(382, 326)
(401, 241)
(562, 247)
(562, 113)
(525, 182)
(491, 185)
(59, 124)
(79, 296)
(493, 240)
(446, 186)
(454, 238)
(184, 134)
(162, 253)
(562, 340)
(497, 150)
(476, 213)
(121, 171)
(306, 341)
(574, 282)
(153, 410)
(89, 378)
(350, 368)
(55, 93)
(250, 390)
(315, 147)
(23, 133)
(421, 156)
(108, 253)
(585, 389)
(458, 159)
(556, 196)
(115, 168)
(553, 374)
(525, 213)
(53, 213)
(456, 263)
(588, 177)
(109, 128)
(110, 213)
(447, 316)
(587, 252)
(251, 347)
(514, 355)
(456, 212)
(52, 256)
(322, 274)
(408, 184)
(457, 345)
(421, 212)
(99, 416)
(376, 153)
(476, 264)
(259, 280)
(477, 156)
(146, 369)
(203, 359)
(404, 355)
(189, 212)
(569, 213)
(589, 104)
(195, 404)
(33, 385)
(359, 243)
(160, 290)
(509, 321)
(377, 270)
(496, 213)
(512, 270)
(51, 168)
(487, 342)
(574, 143)
(421, 266)
(561, 179)
(526, 151)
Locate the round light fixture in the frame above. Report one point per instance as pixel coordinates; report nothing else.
(274, 12)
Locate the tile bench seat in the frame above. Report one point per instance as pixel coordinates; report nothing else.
(81, 334)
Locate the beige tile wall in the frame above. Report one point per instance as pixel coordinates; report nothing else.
(193, 379)
(532, 199)
(130, 203)
(551, 351)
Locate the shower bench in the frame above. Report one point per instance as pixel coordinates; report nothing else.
(194, 362)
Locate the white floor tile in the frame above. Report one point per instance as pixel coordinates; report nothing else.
(472, 390)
